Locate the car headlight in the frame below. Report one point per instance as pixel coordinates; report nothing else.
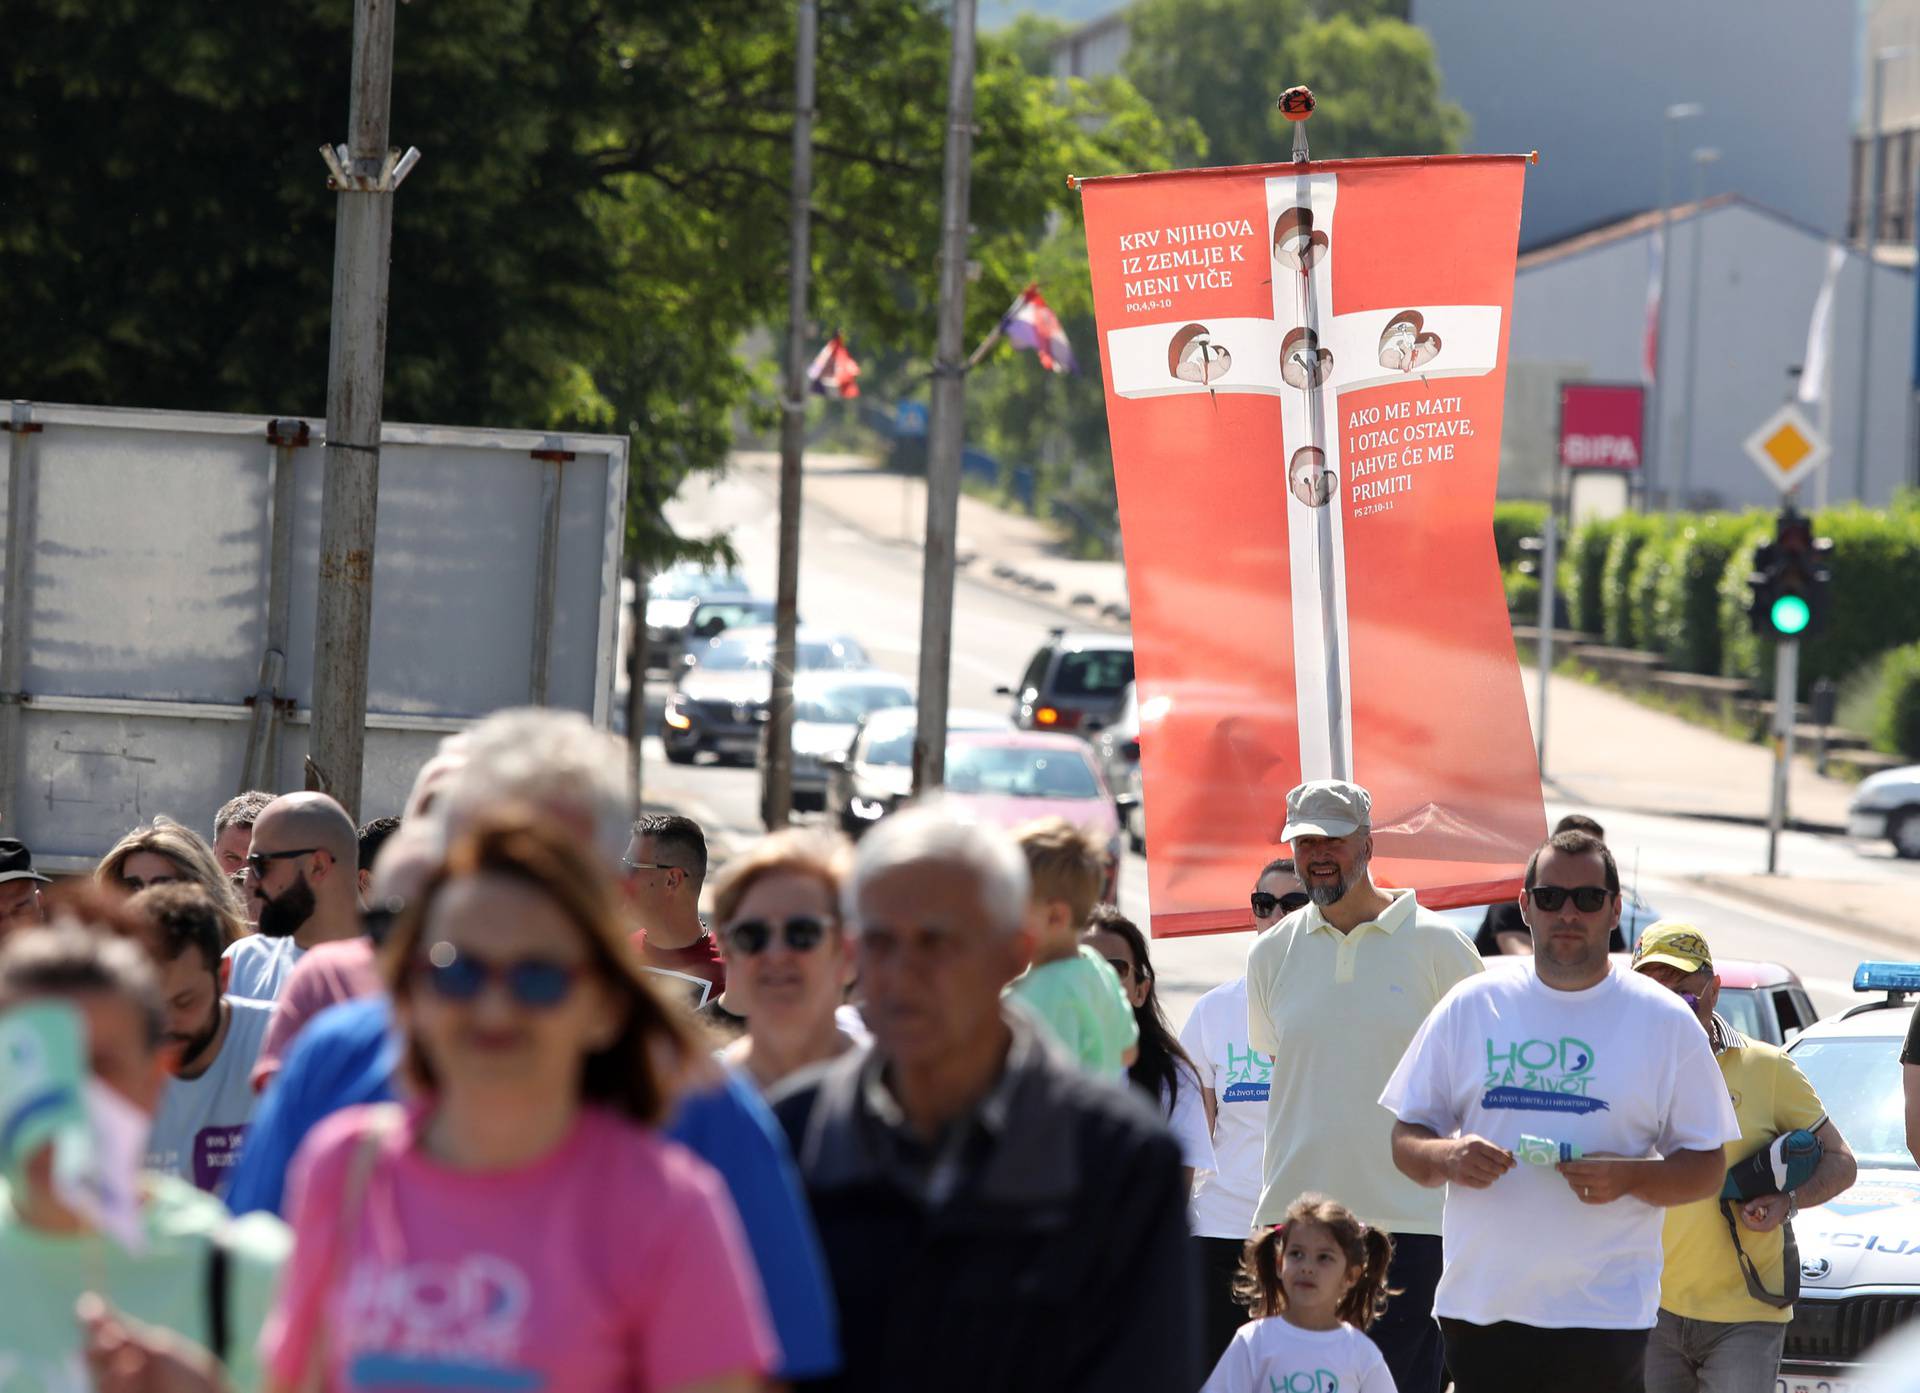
(676, 717)
(871, 812)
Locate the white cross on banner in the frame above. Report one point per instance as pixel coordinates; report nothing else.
(1379, 331)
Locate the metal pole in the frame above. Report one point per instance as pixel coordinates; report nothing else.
(355, 376)
(1701, 159)
(1549, 563)
(16, 606)
(1307, 303)
(637, 673)
(1869, 235)
(946, 426)
(1786, 676)
(776, 793)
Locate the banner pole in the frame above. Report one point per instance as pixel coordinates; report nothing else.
(1338, 762)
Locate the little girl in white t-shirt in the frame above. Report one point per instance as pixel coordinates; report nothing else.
(1313, 1282)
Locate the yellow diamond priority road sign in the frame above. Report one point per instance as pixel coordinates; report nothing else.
(1787, 447)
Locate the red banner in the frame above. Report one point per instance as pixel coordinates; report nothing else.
(1600, 424)
(1304, 368)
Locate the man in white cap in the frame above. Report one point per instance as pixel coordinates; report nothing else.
(1335, 992)
(20, 905)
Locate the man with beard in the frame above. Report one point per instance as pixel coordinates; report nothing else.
(212, 1041)
(1560, 1108)
(303, 888)
(1335, 991)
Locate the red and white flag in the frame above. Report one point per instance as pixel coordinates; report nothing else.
(834, 373)
(1305, 367)
(1650, 339)
(1032, 324)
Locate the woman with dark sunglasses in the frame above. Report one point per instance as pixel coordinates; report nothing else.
(789, 961)
(1164, 1071)
(522, 1224)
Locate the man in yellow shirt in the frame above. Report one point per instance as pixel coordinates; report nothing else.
(1335, 991)
(1712, 1334)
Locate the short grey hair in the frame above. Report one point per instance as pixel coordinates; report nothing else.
(552, 760)
(933, 832)
(243, 810)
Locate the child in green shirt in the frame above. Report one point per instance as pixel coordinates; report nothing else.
(1069, 986)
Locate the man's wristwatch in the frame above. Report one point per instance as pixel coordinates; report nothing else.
(1793, 1205)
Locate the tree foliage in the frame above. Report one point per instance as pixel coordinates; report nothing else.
(601, 213)
(1224, 62)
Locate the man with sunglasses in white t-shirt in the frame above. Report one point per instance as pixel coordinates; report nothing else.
(1564, 1105)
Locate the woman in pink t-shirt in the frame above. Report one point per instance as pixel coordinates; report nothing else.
(521, 1226)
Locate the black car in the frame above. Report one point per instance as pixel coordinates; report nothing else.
(720, 698)
(1076, 682)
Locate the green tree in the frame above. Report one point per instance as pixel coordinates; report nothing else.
(1224, 62)
(600, 216)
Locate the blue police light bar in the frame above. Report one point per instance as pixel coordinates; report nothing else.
(1887, 977)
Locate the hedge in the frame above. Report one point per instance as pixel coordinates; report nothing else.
(1897, 717)
(1586, 564)
(1685, 623)
(1511, 522)
(1631, 533)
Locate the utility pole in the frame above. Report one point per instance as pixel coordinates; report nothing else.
(946, 427)
(1869, 237)
(776, 794)
(365, 174)
(1701, 159)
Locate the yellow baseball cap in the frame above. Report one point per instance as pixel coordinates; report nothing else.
(1674, 943)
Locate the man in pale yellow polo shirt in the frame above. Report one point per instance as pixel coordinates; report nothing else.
(1335, 992)
(1712, 1335)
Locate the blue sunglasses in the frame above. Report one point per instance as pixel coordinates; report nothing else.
(536, 983)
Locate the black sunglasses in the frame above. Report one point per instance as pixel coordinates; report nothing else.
(258, 861)
(539, 984)
(751, 937)
(1588, 899)
(1264, 904)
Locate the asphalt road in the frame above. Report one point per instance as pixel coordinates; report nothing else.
(871, 589)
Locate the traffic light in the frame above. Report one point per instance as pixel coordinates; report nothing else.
(1787, 591)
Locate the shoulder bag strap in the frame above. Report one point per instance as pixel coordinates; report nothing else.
(352, 1205)
(1791, 1271)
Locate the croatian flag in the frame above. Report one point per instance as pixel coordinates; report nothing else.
(834, 372)
(1031, 323)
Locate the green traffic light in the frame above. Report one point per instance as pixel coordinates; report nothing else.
(1789, 615)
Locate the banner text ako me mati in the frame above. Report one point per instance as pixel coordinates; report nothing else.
(1385, 444)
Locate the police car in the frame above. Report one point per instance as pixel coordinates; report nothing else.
(1860, 1252)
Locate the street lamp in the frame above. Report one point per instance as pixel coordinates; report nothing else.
(1701, 159)
(1679, 111)
(1869, 235)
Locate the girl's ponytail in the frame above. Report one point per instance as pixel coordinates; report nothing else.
(1257, 1285)
(1367, 1298)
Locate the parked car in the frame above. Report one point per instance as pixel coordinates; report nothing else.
(876, 772)
(1075, 682)
(1860, 1251)
(1886, 807)
(1117, 744)
(1135, 813)
(673, 593)
(720, 698)
(1013, 777)
(827, 709)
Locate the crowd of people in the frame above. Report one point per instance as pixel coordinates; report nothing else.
(477, 1097)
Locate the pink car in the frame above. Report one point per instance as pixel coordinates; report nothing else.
(1010, 777)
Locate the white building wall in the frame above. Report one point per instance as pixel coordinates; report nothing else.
(1588, 84)
(1760, 276)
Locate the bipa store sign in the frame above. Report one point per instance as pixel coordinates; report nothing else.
(1601, 425)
